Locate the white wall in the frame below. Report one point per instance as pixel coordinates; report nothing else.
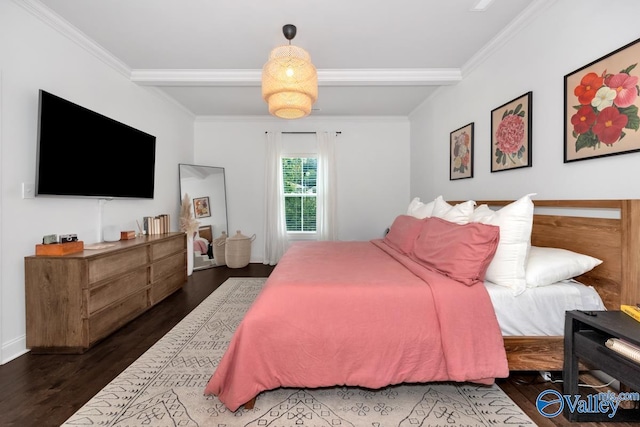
(34, 56)
(372, 156)
(564, 37)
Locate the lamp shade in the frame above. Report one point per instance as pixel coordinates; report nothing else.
(289, 82)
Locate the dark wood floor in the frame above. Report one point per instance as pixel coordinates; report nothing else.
(45, 390)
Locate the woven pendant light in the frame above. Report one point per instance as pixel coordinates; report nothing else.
(289, 80)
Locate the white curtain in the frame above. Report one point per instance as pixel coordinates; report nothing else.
(275, 228)
(326, 220)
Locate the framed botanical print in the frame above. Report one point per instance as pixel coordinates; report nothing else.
(201, 207)
(601, 106)
(511, 134)
(461, 153)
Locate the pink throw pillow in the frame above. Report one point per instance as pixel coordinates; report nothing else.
(461, 252)
(403, 233)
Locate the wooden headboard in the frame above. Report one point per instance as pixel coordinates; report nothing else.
(206, 232)
(605, 229)
(616, 241)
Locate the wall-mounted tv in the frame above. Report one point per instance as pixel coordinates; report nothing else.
(84, 154)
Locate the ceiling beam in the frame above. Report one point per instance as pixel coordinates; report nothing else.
(349, 77)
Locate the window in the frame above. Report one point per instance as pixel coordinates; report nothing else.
(299, 179)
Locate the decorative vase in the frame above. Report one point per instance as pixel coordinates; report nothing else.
(189, 255)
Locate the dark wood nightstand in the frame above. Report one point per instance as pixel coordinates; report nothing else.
(584, 340)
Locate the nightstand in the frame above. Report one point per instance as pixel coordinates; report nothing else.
(584, 340)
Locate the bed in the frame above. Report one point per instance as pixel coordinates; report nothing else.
(616, 241)
(541, 311)
(202, 249)
(206, 232)
(605, 229)
(348, 313)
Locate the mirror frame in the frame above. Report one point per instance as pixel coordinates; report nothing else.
(206, 218)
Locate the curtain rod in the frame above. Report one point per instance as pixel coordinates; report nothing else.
(305, 133)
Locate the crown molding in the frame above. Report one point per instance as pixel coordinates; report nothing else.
(522, 20)
(327, 77)
(55, 21)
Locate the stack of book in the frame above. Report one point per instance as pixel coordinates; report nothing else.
(625, 348)
(631, 310)
(159, 224)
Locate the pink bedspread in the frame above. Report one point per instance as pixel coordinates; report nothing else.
(358, 314)
(200, 246)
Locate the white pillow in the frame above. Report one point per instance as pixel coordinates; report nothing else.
(460, 213)
(515, 221)
(482, 212)
(546, 266)
(420, 210)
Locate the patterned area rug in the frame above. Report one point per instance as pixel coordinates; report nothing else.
(164, 387)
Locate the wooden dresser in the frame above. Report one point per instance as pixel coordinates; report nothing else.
(74, 300)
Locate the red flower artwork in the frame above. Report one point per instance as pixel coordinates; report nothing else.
(583, 119)
(606, 107)
(609, 125)
(587, 88)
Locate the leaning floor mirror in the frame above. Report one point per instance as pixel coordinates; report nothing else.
(205, 186)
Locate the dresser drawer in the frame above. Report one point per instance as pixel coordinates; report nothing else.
(102, 296)
(177, 262)
(165, 287)
(111, 318)
(168, 247)
(117, 263)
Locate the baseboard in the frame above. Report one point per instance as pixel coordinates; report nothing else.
(13, 349)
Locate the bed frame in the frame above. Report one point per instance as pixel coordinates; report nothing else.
(615, 241)
(617, 280)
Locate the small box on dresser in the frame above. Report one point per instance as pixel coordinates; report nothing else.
(60, 248)
(74, 300)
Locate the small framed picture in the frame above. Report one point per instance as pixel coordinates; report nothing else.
(511, 134)
(601, 106)
(201, 207)
(461, 153)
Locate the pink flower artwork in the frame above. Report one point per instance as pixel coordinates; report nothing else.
(511, 134)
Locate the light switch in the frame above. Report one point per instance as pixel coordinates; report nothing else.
(28, 190)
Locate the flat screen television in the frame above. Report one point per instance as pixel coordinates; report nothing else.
(84, 154)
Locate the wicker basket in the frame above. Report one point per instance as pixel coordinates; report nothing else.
(237, 251)
(218, 246)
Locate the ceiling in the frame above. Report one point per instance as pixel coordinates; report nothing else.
(373, 57)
